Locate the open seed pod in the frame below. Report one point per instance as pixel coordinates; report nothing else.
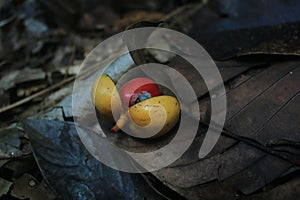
(155, 116)
(147, 113)
(106, 97)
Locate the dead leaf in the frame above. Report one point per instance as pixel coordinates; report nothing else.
(28, 187)
(4, 186)
(14, 143)
(73, 172)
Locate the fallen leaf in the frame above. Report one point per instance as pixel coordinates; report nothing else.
(73, 172)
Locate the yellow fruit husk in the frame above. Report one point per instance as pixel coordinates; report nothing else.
(156, 115)
(106, 98)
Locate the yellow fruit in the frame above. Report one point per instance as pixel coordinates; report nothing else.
(106, 98)
(154, 116)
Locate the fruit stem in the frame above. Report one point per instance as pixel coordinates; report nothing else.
(120, 123)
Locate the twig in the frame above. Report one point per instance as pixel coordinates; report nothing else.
(29, 98)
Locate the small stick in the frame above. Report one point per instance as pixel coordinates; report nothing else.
(45, 91)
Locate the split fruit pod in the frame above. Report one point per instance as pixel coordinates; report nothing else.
(144, 110)
(106, 98)
(154, 117)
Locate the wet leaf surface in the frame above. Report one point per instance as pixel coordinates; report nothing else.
(73, 172)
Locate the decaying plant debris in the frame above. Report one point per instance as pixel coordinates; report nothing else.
(256, 48)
